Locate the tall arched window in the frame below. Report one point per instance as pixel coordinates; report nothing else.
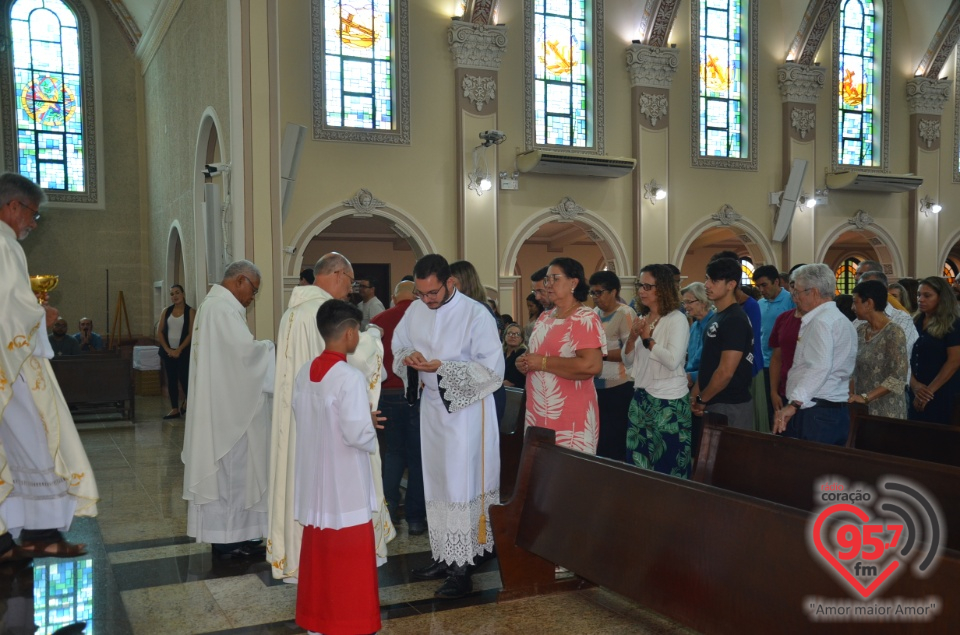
(724, 76)
(360, 71)
(950, 271)
(746, 272)
(860, 70)
(49, 67)
(847, 275)
(564, 53)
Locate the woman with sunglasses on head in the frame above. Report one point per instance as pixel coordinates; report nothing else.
(660, 421)
(614, 385)
(565, 352)
(174, 332)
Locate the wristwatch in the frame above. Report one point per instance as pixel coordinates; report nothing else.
(796, 403)
(700, 401)
(646, 342)
(866, 399)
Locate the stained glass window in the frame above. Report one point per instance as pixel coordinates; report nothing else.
(561, 73)
(47, 94)
(857, 83)
(950, 271)
(847, 275)
(722, 81)
(62, 594)
(746, 269)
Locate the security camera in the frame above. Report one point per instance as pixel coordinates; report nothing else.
(492, 137)
(215, 169)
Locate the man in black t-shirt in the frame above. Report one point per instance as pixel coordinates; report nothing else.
(726, 365)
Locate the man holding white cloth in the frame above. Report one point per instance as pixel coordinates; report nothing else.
(226, 441)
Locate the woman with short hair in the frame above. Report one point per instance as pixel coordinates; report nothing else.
(880, 373)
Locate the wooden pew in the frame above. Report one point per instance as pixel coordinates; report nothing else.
(511, 439)
(786, 471)
(714, 560)
(96, 383)
(899, 437)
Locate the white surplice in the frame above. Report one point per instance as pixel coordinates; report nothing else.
(45, 476)
(298, 343)
(225, 444)
(459, 434)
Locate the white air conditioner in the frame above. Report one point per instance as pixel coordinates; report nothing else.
(549, 162)
(868, 182)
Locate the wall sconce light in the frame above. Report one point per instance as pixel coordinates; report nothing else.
(480, 177)
(653, 192)
(929, 206)
(808, 202)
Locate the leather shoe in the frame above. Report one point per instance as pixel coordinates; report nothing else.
(249, 549)
(416, 527)
(436, 570)
(455, 586)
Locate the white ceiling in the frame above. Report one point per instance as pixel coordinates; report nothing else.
(141, 11)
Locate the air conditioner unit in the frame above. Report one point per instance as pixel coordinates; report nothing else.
(549, 162)
(867, 182)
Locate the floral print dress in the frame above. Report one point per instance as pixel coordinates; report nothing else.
(566, 405)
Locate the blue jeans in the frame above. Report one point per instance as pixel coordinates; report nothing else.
(401, 434)
(823, 424)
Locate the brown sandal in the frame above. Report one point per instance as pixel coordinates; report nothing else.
(16, 554)
(60, 549)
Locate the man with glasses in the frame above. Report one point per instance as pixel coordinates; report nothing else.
(539, 290)
(614, 386)
(43, 485)
(227, 430)
(452, 341)
(371, 304)
(726, 365)
(819, 383)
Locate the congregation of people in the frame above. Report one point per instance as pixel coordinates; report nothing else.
(281, 454)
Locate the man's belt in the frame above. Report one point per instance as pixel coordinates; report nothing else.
(823, 403)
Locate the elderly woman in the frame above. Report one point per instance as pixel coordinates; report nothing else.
(565, 352)
(513, 348)
(700, 308)
(881, 369)
(174, 332)
(660, 422)
(899, 292)
(934, 382)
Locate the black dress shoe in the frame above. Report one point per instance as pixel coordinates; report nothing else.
(416, 527)
(436, 570)
(172, 415)
(250, 549)
(455, 586)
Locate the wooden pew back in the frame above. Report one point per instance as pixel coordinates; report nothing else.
(786, 471)
(717, 561)
(932, 442)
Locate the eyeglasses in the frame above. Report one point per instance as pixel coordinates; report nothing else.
(799, 291)
(35, 212)
(644, 286)
(363, 286)
(353, 282)
(551, 278)
(596, 293)
(689, 302)
(256, 288)
(431, 295)
(513, 334)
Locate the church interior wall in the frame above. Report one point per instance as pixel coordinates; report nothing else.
(187, 75)
(401, 261)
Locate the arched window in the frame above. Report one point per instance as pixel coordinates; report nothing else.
(746, 267)
(950, 271)
(861, 74)
(724, 76)
(847, 275)
(50, 109)
(564, 54)
(360, 82)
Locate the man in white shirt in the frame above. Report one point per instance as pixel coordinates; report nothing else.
(819, 382)
(227, 433)
(371, 304)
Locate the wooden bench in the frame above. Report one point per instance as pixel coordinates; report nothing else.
(899, 437)
(786, 471)
(511, 439)
(97, 383)
(714, 560)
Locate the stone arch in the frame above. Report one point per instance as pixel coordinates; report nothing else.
(175, 261)
(614, 254)
(887, 252)
(400, 221)
(760, 249)
(948, 245)
(208, 150)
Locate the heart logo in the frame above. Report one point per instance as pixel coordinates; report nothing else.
(826, 553)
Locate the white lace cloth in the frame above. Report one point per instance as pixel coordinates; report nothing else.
(464, 383)
(454, 528)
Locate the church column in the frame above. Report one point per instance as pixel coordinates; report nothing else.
(651, 71)
(925, 100)
(800, 88)
(477, 50)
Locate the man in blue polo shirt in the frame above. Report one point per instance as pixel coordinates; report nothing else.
(775, 301)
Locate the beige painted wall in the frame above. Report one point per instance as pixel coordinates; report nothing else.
(80, 245)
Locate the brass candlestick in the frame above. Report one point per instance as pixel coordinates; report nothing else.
(43, 284)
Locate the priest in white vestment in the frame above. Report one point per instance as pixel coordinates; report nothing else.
(225, 444)
(45, 477)
(299, 343)
(452, 341)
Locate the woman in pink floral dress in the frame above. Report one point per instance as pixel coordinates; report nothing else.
(565, 351)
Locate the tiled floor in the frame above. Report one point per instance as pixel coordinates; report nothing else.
(143, 575)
